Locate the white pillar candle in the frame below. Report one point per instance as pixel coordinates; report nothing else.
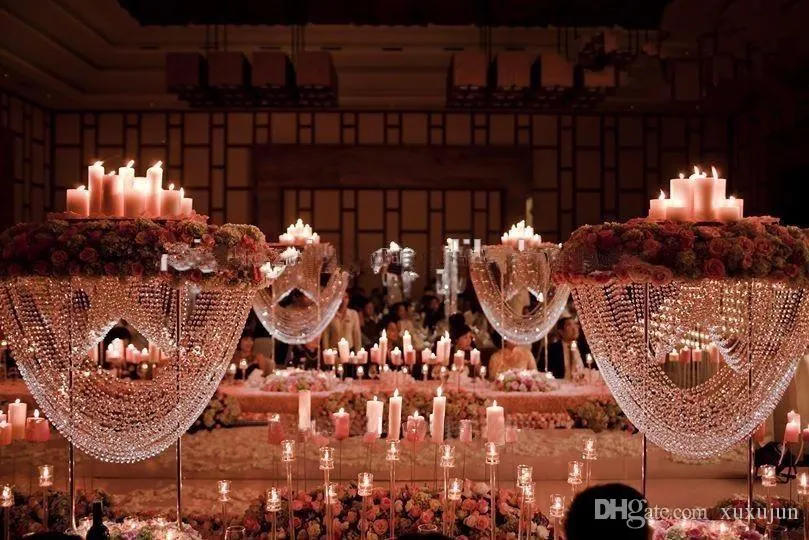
(135, 198)
(362, 356)
(373, 413)
(17, 412)
(95, 184)
(170, 203)
(728, 211)
(677, 212)
(376, 354)
(739, 204)
(154, 177)
(329, 357)
(127, 174)
(407, 341)
(447, 347)
(459, 359)
(719, 185)
(395, 416)
(474, 357)
(383, 347)
(440, 351)
(657, 207)
(439, 413)
(186, 204)
(112, 195)
(426, 355)
(343, 350)
(703, 196)
(78, 201)
(304, 409)
(396, 356)
(682, 195)
(495, 424)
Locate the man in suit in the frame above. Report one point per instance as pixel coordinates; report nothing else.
(345, 324)
(564, 358)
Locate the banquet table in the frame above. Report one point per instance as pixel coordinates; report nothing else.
(255, 400)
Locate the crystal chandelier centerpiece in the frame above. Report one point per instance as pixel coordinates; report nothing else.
(186, 286)
(503, 274)
(643, 286)
(397, 264)
(304, 298)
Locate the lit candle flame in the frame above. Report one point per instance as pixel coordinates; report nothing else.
(98, 164)
(682, 176)
(439, 391)
(395, 393)
(36, 413)
(157, 165)
(662, 196)
(171, 186)
(714, 173)
(131, 162)
(81, 188)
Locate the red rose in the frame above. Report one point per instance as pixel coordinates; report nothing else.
(791, 270)
(8, 251)
(41, 268)
(600, 277)
(661, 275)
(591, 239)
(137, 269)
(747, 261)
(88, 255)
(670, 228)
(195, 275)
(651, 247)
(251, 524)
(686, 240)
(73, 268)
(59, 258)
(607, 240)
(714, 268)
(94, 235)
(187, 238)
(110, 269)
(208, 240)
(765, 247)
(14, 269)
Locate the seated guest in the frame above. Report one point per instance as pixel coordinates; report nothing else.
(402, 313)
(345, 324)
(460, 334)
(304, 356)
(590, 517)
(564, 359)
(244, 351)
(369, 323)
(476, 319)
(510, 357)
(433, 312)
(391, 327)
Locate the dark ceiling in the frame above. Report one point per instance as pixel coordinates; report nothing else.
(636, 14)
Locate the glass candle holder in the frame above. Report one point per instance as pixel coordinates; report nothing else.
(768, 476)
(492, 455)
(589, 451)
(274, 500)
(465, 431)
(803, 484)
(574, 472)
(528, 492)
(455, 489)
(332, 493)
(365, 484)
(525, 474)
(392, 450)
(360, 372)
(446, 452)
(425, 370)
(287, 450)
(326, 458)
(45, 475)
(6, 496)
(223, 489)
(557, 506)
(482, 372)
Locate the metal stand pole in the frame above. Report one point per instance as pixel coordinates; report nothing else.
(291, 531)
(7, 523)
(71, 455)
(329, 520)
(493, 496)
(179, 454)
(751, 447)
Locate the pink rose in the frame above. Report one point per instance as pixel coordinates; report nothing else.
(88, 255)
(41, 268)
(415, 511)
(297, 505)
(483, 506)
(747, 261)
(59, 258)
(468, 505)
(640, 273)
(717, 247)
(651, 247)
(714, 268)
(791, 270)
(607, 240)
(251, 524)
(661, 275)
(482, 523)
(381, 526)
(747, 245)
(765, 247)
(142, 238)
(427, 516)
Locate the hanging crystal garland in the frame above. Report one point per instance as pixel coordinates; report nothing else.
(635, 311)
(501, 273)
(195, 317)
(301, 322)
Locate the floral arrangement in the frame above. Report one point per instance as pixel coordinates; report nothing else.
(645, 251)
(197, 250)
(142, 529)
(28, 513)
(665, 529)
(541, 420)
(525, 380)
(412, 508)
(294, 380)
(600, 415)
(779, 508)
(221, 412)
(461, 405)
